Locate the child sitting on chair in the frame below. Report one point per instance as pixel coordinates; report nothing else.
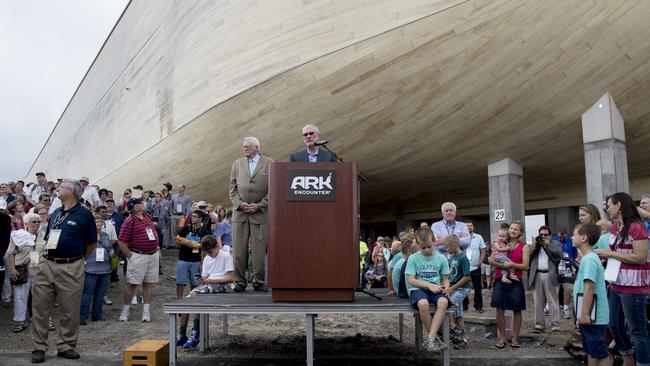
(218, 272)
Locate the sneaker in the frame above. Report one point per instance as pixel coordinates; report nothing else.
(546, 310)
(146, 316)
(83, 321)
(556, 329)
(181, 340)
(566, 314)
(124, 316)
(429, 344)
(107, 301)
(134, 300)
(440, 344)
(193, 341)
(538, 329)
(457, 331)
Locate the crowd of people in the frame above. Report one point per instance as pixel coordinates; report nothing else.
(436, 265)
(64, 240)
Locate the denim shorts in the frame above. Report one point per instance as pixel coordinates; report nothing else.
(593, 340)
(457, 300)
(186, 273)
(420, 293)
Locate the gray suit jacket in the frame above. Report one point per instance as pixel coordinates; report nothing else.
(249, 189)
(554, 252)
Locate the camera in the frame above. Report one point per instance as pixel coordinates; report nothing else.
(539, 240)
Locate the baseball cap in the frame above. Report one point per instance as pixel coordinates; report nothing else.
(202, 204)
(85, 179)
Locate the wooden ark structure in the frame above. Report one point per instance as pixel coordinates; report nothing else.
(423, 95)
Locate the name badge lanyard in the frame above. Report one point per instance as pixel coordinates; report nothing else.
(55, 233)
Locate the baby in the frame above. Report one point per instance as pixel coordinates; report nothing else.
(500, 255)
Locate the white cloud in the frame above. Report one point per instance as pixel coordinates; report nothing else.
(46, 47)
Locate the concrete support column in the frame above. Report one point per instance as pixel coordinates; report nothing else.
(603, 136)
(506, 185)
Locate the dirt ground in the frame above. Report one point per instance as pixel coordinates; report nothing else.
(280, 340)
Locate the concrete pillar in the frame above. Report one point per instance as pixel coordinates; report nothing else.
(506, 185)
(561, 217)
(603, 136)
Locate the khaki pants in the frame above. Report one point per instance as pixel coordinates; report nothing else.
(65, 281)
(242, 232)
(544, 293)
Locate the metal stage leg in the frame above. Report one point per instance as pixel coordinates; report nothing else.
(225, 325)
(310, 339)
(207, 331)
(445, 338)
(401, 327)
(203, 331)
(418, 332)
(172, 339)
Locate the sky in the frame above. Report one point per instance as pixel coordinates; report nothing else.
(46, 47)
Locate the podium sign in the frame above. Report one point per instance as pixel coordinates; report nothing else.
(313, 239)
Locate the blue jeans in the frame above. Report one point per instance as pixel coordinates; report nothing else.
(630, 309)
(95, 286)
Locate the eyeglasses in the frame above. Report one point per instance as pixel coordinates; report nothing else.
(545, 235)
(308, 134)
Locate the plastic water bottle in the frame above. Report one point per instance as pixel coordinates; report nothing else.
(561, 267)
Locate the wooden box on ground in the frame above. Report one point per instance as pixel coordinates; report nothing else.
(147, 353)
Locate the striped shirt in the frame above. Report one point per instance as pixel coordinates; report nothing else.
(134, 233)
(632, 278)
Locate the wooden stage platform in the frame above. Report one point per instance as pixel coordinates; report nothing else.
(261, 303)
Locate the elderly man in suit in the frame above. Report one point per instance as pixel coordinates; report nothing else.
(311, 154)
(249, 196)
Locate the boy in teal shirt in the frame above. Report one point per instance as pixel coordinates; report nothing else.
(427, 277)
(459, 281)
(590, 286)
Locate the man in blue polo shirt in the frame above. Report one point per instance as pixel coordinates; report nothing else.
(71, 235)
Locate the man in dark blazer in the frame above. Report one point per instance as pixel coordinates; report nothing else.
(311, 154)
(249, 196)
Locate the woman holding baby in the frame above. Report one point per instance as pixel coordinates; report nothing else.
(508, 293)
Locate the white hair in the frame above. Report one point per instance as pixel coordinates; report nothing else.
(313, 127)
(251, 140)
(442, 208)
(30, 217)
(645, 195)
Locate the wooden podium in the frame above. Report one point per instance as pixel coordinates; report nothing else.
(313, 239)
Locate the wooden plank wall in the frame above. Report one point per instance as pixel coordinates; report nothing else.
(423, 106)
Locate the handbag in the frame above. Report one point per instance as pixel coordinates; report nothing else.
(115, 262)
(21, 274)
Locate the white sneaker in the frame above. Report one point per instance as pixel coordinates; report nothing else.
(566, 314)
(107, 301)
(134, 300)
(146, 316)
(124, 316)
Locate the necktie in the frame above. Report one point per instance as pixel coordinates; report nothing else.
(251, 166)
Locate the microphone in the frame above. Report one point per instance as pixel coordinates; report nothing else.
(320, 142)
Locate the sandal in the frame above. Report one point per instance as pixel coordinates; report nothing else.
(500, 345)
(515, 345)
(20, 327)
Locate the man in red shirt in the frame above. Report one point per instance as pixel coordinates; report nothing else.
(139, 243)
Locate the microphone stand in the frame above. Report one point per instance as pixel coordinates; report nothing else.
(361, 177)
(359, 289)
